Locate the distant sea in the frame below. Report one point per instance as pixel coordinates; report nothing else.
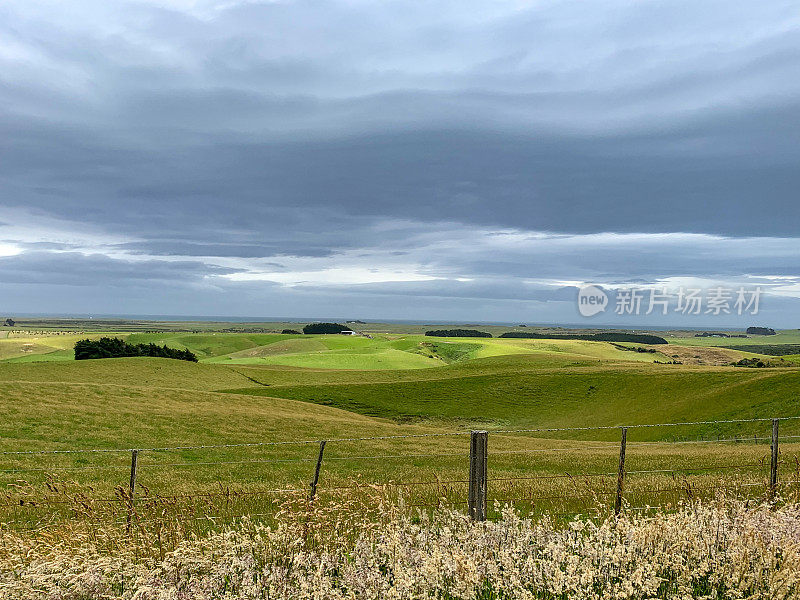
(229, 319)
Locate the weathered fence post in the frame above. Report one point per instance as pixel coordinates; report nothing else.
(621, 472)
(132, 489)
(315, 480)
(773, 467)
(477, 475)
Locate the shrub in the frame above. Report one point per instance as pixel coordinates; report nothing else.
(107, 347)
(458, 333)
(325, 328)
(752, 363)
(292, 331)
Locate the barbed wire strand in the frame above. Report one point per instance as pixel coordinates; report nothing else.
(641, 425)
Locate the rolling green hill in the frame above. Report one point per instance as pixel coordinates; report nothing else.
(405, 352)
(384, 351)
(565, 398)
(207, 345)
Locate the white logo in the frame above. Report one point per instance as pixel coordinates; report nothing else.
(591, 300)
(688, 301)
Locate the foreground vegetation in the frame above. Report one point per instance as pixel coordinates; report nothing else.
(718, 550)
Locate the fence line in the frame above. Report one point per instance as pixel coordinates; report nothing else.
(642, 425)
(479, 475)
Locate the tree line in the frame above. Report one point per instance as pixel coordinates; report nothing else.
(107, 347)
(458, 333)
(636, 338)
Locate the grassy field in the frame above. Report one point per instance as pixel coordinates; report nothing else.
(277, 390)
(787, 336)
(390, 350)
(28, 347)
(324, 351)
(562, 398)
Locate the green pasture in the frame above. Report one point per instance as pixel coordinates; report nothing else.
(608, 395)
(380, 352)
(278, 390)
(52, 346)
(385, 351)
(785, 336)
(76, 405)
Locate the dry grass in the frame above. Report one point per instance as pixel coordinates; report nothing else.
(723, 549)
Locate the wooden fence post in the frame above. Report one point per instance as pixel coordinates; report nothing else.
(477, 475)
(132, 489)
(315, 480)
(773, 467)
(621, 472)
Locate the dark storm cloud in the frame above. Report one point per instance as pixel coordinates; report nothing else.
(633, 259)
(196, 139)
(538, 182)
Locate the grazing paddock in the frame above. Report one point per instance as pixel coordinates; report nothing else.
(218, 439)
(217, 483)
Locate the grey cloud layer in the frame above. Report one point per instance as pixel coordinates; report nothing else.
(206, 139)
(77, 269)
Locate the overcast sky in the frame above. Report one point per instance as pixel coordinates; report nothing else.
(464, 160)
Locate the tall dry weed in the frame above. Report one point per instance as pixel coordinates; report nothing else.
(719, 550)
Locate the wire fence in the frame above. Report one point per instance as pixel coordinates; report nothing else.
(566, 474)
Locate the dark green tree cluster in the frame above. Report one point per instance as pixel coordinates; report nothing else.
(292, 331)
(325, 328)
(458, 333)
(760, 331)
(115, 348)
(636, 338)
